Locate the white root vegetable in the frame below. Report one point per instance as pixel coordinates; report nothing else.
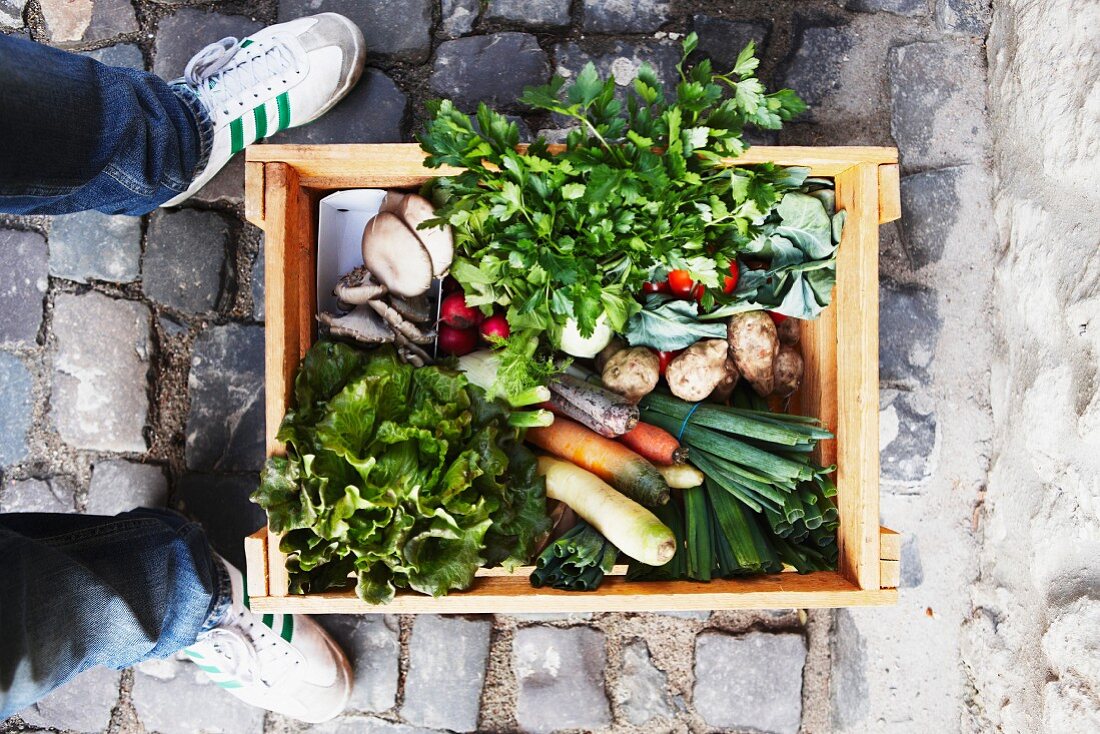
(725, 388)
(681, 476)
(439, 241)
(788, 370)
(631, 528)
(696, 371)
(613, 347)
(753, 344)
(574, 344)
(633, 372)
(395, 256)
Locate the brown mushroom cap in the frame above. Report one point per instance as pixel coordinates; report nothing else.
(396, 256)
(439, 241)
(392, 202)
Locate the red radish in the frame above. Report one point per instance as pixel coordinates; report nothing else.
(680, 283)
(454, 312)
(663, 358)
(450, 285)
(777, 318)
(495, 328)
(661, 287)
(457, 342)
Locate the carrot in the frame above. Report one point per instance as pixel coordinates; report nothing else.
(655, 444)
(611, 461)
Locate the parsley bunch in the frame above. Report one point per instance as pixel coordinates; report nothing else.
(641, 188)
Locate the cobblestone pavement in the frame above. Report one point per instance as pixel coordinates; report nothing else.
(172, 303)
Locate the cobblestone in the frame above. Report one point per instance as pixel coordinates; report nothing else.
(898, 7)
(186, 31)
(373, 113)
(642, 686)
(394, 30)
(11, 13)
(118, 486)
(930, 202)
(938, 103)
(721, 40)
(122, 54)
(174, 697)
(93, 246)
(83, 21)
(493, 69)
(970, 17)
(258, 286)
(621, 59)
(907, 430)
(185, 259)
(554, 666)
(624, 16)
(16, 384)
(458, 17)
(92, 407)
(750, 682)
(447, 658)
(23, 262)
(543, 14)
(909, 323)
(221, 504)
(225, 424)
(371, 642)
(83, 705)
(848, 687)
(53, 494)
(816, 67)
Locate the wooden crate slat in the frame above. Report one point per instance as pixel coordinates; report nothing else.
(255, 557)
(889, 544)
(513, 595)
(856, 305)
(889, 574)
(385, 165)
(889, 193)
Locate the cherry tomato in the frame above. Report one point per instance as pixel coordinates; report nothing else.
(663, 358)
(777, 318)
(661, 287)
(697, 291)
(729, 283)
(680, 283)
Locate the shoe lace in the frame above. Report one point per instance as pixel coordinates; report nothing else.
(250, 651)
(218, 75)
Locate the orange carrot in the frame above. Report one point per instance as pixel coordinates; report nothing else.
(655, 444)
(617, 465)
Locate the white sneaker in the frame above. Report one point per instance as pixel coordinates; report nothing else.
(283, 76)
(284, 663)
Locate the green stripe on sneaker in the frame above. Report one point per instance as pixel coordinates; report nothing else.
(284, 111)
(288, 627)
(246, 43)
(208, 669)
(192, 654)
(259, 114)
(236, 136)
(268, 620)
(229, 684)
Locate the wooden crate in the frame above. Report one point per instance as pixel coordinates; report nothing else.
(283, 184)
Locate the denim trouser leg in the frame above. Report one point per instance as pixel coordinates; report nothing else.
(78, 591)
(75, 134)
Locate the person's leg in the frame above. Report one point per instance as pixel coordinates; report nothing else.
(79, 591)
(81, 135)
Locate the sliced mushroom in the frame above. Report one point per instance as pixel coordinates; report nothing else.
(362, 324)
(439, 241)
(395, 256)
(357, 287)
(392, 202)
(417, 309)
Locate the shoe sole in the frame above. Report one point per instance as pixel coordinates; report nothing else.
(360, 53)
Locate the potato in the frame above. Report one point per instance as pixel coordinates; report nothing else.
(633, 373)
(788, 370)
(696, 371)
(789, 331)
(725, 388)
(615, 345)
(753, 344)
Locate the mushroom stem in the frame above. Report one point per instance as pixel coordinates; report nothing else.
(398, 323)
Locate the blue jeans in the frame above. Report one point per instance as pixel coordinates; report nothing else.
(77, 135)
(78, 591)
